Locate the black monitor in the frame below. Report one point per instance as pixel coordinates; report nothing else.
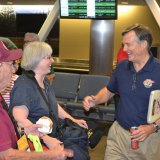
(89, 9)
(29, 22)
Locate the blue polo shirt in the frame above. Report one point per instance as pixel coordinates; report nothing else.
(134, 88)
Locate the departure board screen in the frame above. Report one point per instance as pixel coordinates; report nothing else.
(89, 9)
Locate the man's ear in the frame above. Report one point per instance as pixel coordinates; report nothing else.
(144, 44)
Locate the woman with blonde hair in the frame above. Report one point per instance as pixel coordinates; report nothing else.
(27, 103)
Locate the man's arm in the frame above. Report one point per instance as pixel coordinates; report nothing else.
(101, 97)
(58, 153)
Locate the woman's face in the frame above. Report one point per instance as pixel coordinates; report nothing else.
(44, 65)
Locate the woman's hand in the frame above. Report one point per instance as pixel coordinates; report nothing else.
(33, 129)
(81, 123)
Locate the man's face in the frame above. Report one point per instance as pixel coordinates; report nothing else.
(133, 47)
(28, 39)
(5, 74)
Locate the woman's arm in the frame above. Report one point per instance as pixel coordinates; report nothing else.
(63, 114)
(20, 114)
(51, 142)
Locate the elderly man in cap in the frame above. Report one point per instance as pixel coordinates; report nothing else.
(7, 134)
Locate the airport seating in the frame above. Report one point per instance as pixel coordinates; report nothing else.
(65, 86)
(71, 88)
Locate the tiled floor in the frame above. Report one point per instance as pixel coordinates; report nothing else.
(98, 152)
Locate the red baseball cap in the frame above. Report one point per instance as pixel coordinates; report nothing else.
(7, 55)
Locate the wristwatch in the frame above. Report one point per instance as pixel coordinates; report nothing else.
(156, 126)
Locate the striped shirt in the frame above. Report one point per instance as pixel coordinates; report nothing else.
(6, 92)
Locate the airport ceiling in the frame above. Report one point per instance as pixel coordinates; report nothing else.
(28, 2)
(50, 2)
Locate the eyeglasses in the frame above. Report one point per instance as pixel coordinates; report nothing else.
(27, 41)
(134, 82)
(48, 57)
(12, 64)
(8, 63)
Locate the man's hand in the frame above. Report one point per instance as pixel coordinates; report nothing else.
(59, 153)
(143, 132)
(89, 102)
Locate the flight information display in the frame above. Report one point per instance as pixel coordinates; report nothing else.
(89, 9)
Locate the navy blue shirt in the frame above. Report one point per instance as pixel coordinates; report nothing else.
(134, 88)
(25, 92)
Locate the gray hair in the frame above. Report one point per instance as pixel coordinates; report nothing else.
(31, 37)
(143, 33)
(33, 53)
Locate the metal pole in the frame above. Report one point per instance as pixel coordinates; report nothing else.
(49, 22)
(153, 5)
(101, 47)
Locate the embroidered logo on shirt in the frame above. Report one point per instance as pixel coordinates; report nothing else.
(148, 83)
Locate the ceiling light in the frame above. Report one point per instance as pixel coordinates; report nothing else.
(124, 3)
(9, 3)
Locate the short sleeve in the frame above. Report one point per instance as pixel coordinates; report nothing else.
(113, 85)
(21, 94)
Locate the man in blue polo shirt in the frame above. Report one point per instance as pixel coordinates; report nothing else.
(134, 78)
